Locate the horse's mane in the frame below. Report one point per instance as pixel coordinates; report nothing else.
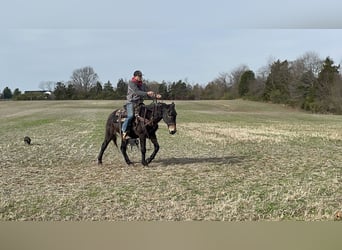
(152, 105)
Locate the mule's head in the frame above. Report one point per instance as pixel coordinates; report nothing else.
(169, 117)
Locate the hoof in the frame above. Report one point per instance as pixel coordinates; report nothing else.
(99, 162)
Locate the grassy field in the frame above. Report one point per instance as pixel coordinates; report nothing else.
(228, 161)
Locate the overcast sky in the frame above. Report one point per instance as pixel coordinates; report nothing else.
(191, 40)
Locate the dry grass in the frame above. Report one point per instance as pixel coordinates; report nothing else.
(230, 160)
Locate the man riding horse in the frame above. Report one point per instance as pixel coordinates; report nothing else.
(145, 124)
(135, 96)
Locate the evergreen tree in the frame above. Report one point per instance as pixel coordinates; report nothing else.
(246, 78)
(7, 93)
(108, 90)
(326, 78)
(327, 98)
(96, 91)
(16, 94)
(163, 90)
(179, 90)
(276, 86)
(121, 89)
(306, 90)
(60, 91)
(71, 92)
(197, 92)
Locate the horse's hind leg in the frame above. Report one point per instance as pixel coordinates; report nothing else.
(124, 151)
(103, 148)
(110, 135)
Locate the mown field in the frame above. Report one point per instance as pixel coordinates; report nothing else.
(228, 161)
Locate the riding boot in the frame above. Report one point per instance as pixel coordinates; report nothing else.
(125, 136)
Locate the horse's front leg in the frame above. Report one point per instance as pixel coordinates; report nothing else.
(124, 151)
(156, 148)
(143, 150)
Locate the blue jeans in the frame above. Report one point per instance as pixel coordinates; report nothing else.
(130, 112)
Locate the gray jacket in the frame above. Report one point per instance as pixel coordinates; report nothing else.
(136, 93)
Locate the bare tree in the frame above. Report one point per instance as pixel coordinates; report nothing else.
(310, 62)
(47, 85)
(223, 78)
(84, 78)
(236, 74)
(234, 77)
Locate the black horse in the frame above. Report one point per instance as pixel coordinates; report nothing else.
(144, 126)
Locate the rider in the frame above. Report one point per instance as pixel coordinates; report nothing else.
(135, 95)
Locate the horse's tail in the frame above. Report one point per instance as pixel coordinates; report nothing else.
(113, 126)
(114, 140)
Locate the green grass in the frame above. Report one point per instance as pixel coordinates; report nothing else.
(229, 160)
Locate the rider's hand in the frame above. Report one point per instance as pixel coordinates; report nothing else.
(150, 93)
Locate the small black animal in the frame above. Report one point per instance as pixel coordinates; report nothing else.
(27, 140)
(133, 142)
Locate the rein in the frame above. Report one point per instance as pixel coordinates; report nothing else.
(144, 121)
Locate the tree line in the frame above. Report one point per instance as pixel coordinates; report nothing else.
(309, 83)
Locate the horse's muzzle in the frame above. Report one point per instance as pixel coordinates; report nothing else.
(172, 129)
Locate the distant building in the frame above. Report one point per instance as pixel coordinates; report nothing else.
(34, 92)
(38, 94)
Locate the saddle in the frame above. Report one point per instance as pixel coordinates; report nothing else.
(122, 113)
